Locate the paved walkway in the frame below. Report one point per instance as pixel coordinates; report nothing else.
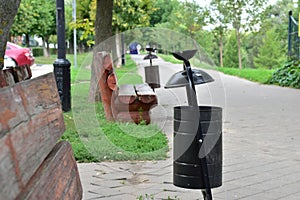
(261, 145)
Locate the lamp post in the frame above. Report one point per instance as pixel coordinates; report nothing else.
(61, 64)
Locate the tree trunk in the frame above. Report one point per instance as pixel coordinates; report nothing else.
(103, 31)
(8, 11)
(47, 46)
(118, 60)
(239, 48)
(27, 38)
(221, 50)
(46, 53)
(71, 47)
(103, 23)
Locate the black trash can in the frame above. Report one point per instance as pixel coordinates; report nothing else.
(188, 124)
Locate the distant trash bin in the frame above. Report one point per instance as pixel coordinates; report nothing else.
(133, 48)
(152, 71)
(187, 169)
(152, 76)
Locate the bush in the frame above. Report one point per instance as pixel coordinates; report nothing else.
(287, 76)
(38, 51)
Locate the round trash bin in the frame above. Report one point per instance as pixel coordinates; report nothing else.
(188, 124)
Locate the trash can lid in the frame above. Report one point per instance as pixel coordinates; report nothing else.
(184, 55)
(150, 56)
(150, 49)
(180, 79)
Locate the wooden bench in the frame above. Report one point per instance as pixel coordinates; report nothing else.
(33, 164)
(14, 75)
(125, 103)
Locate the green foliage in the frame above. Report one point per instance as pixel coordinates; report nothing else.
(186, 17)
(163, 10)
(80, 152)
(206, 40)
(129, 14)
(38, 51)
(270, 54)
(35, 18)
(287, 76)
(231, 52)
(251, 43)
(244, 15)
(277, 18)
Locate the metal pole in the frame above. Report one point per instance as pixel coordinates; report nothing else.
(60, 23)
(123, 49)
(192, 99)
(190, 88)
(61, 64)
(289, 35)
(75, 34)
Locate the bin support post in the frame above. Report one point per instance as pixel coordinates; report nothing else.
(61, 64)
(192, 99)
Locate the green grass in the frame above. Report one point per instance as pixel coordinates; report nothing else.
(256, 75)
(82, 60)
(95, 139)
(169, 58)
(128, 74)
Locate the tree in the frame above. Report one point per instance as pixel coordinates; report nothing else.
(244, 15)
(103, 22)
(218, 17)
(36, 18)
(8, 10)
(163, 9)
(103, 31)
(270, 54)
(189, 18)
(46, 24)
(231, 52)
(127, 14)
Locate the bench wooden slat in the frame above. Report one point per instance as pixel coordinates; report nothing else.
(56, 178)
(31, 122)
(145, 93)
(144, 89)
(126, 94)
(127, 90)
(6, 77)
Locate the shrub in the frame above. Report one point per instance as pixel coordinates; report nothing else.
(38, 51)
(287, 76)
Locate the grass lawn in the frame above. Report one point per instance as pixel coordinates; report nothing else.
(95, 139)
(257, 75)
(170, 58)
